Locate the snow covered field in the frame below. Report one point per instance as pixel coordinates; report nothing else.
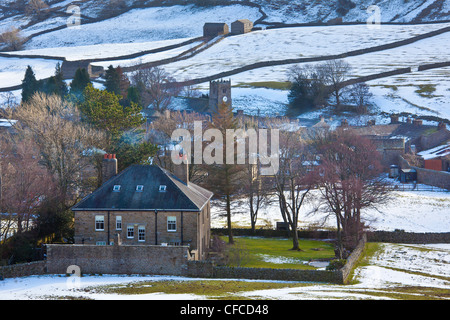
(411, 211)
(100, 51)
(392, 270)
(147, 24)
(286, 43)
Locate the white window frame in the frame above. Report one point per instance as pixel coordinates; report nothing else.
(99, 220)
(116, 188)
(139, 188)
(118, 222)
(171, 224)
(141, 233)
(162, 188)
(130, 227)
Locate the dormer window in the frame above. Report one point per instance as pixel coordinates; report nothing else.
(162, 188)
(139, 188)
(116, 188)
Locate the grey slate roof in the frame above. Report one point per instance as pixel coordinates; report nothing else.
(177, 197)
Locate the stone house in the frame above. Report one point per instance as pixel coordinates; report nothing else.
(241, 26)
(145, 205)
(215, 29)
(398, 138)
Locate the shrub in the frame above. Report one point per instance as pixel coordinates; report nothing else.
(12, 39)
(336, 264)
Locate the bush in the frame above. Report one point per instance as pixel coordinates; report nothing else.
(12, 40)
(336, 264)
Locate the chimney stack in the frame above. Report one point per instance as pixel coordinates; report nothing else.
(109, 167)
(394, 119)
(181, 170)
(417, 122)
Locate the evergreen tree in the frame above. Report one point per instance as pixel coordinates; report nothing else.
(80, 81)
(224, 178)
(133, 94)
(103, 109)
(56, 84)
(29, 84)
(307, 89)
(112, 80)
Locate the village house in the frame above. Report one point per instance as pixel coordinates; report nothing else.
(398, 138)
(145, 205)
(437, 158)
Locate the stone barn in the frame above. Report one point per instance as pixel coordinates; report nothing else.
(69, 68)
(241, 26)
(215, 29)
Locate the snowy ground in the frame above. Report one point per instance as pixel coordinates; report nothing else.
(392, 270)
(148, 24)
(100, 51)
(411, 211)
(277, 44)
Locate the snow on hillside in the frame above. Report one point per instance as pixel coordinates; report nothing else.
(148, 24)
(100, 51)
(12, 71)
(278, 44)
(302, 11)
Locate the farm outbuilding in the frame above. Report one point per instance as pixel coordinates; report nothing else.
(215, 29)
(241, 26)
(408, 175)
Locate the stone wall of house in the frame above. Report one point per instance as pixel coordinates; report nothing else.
(155, 224)
(91, 259)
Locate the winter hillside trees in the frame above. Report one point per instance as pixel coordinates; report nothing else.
(349, 179)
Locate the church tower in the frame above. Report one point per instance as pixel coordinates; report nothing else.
(219, 92)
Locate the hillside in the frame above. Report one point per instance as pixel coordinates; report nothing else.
(135, 32)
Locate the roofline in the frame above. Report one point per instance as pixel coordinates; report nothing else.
(143, 210)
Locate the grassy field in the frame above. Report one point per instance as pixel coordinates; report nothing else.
(255, 252)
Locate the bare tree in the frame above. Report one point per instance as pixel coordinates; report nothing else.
(160, 133)
(349, 181)
(156, 87)
(64, 143)
(35, 8)
(360, 95)
(334, 73)
(257, 190)
(25, 183)
(292, 182)
(12, 39)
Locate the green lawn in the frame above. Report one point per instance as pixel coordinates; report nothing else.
(255, 252)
